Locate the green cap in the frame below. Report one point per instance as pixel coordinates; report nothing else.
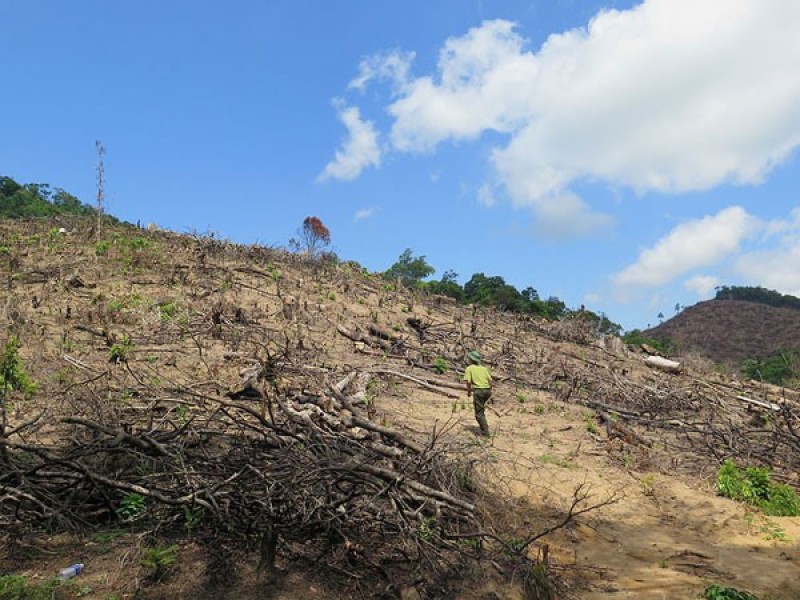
(475, 357)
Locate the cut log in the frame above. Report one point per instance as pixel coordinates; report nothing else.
(663, 364)
(358, 337)
(382, 333)
(761, 403)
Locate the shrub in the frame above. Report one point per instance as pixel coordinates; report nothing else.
(118, 353)
(160, 560)
(718, 592)
(440, 365)
(754, 486)
(132, 506)
(17, 587)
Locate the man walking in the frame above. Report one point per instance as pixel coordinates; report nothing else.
(479, 386)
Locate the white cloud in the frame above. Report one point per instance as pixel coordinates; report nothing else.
(365, 213)
(394, 66)
(777, 269)
(694, 244)
(484, 83)
(702, 285)
(669, 96)
(775, 264)
(359, 150)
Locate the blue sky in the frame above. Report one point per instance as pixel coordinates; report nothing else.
(629, 156)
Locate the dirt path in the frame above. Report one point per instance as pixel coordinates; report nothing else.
(666, 538)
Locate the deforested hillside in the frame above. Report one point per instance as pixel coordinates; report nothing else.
(730, 331)
(187, 417)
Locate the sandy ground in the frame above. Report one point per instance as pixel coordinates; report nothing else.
(666, 538)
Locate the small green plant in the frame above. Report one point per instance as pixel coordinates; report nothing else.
(273, 272)
(426, 530)
(101, 248)
(440, 365)
(473, 544)
(332, 296)
(539, 409)
(168, 310)
(138, 243)
(718, 592)
(591, 426)
(521, 398)
(647, 484)
(192, 517)
(773, 532)
(465, 479)
(13, 376)
(628, 460)
(119, 352)
(105, 537)
(514, 545)
(160, 561)
(753, 485)
(131, 506)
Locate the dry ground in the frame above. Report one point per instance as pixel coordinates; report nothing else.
(667, 536)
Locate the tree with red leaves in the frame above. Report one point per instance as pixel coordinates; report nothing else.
(313, 236)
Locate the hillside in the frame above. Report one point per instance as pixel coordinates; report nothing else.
(212, 420)
(730, 331)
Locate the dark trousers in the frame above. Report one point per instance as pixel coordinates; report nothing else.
(479, 398)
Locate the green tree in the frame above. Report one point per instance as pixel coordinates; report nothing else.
(778, 369)
(13, 378)
(37, 200)
(409, 269)
(494, 291)
(757, 294)
(446, 286)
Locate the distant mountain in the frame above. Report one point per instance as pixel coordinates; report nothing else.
(730, 331)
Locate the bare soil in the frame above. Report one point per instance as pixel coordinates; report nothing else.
(666, 534)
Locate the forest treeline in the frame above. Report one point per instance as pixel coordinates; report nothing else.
(493, 291)
(757, 294)
(21, 201)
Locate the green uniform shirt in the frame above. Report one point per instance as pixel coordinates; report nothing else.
(479, 376)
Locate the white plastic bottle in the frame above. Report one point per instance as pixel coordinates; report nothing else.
(70, 571)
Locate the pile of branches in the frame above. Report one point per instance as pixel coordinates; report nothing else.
(301, 476)
(707, 422)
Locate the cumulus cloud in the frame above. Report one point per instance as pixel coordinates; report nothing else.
(702, 285)
(668, 96)
(691, 245)
(359, 150)
(778, 269)
(775, 262)
(483, 83)
(365, 213)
